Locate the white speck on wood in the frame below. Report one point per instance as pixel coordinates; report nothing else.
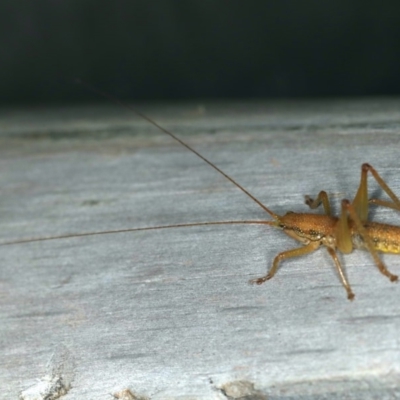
(58, 380)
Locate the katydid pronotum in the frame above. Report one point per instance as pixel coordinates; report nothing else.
(351, 230)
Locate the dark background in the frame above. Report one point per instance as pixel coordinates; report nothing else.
(185, 49)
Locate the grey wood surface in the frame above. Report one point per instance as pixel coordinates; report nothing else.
(169, 314)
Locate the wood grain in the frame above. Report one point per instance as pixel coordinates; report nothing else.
(169, 314)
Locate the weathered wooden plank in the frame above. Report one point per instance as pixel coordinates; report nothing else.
(169, 314)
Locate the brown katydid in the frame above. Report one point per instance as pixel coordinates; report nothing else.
(351, 230)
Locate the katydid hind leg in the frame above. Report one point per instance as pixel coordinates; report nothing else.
(367, 240)
(396, 201)
(384, 203)
(361, 202)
